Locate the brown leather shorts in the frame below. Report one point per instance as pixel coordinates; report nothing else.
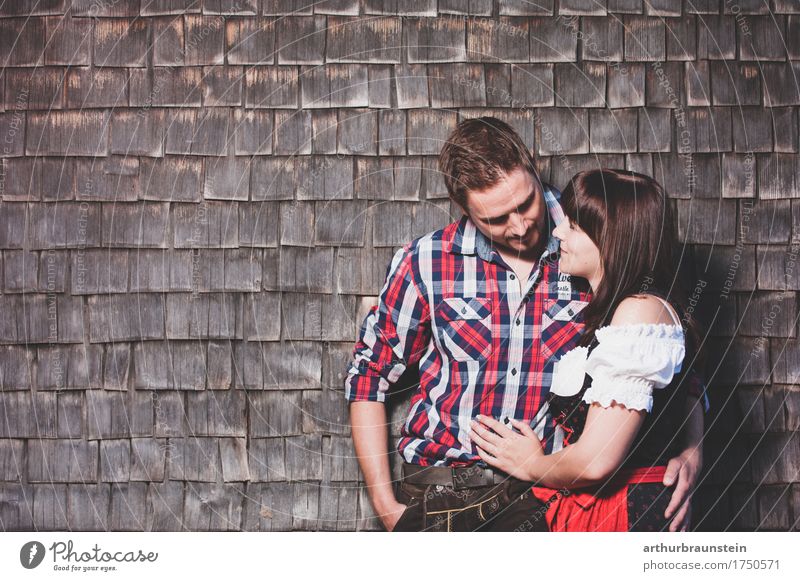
(507, 506)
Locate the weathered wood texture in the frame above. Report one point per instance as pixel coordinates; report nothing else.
(199, 200)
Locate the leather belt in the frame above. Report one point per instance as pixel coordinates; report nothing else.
(458, 477)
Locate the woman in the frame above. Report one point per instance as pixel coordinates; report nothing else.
(620, 396)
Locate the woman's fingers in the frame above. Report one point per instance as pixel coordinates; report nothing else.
(499, 428)
(525, 428)
(486, 434)
(482, 442)
(486, 457)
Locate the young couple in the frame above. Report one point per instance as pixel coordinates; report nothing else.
(556, 360)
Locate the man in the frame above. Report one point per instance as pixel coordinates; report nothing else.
(481, 307)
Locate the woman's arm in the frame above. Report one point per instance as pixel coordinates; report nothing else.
(607, 437)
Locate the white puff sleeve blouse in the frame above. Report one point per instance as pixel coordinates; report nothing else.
(630, 361)
(626, 365)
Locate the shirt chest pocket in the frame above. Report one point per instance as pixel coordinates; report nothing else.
(465, 327)
(561, 325)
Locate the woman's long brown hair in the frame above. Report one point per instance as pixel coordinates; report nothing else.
(628, 217)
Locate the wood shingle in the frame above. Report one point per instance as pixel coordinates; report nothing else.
(199, 200)
(367, 40)
(431, 40)
(250, 41)
(301, 40)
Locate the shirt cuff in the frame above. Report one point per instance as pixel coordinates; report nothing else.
(365, 388)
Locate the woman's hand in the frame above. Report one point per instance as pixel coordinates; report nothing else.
(499, 446)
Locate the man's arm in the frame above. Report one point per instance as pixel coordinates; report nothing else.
(393, 336)
(368, 423)
(686, 467)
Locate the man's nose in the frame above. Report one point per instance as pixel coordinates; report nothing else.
(517, 225)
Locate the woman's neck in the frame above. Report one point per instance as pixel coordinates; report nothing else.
(595, 281)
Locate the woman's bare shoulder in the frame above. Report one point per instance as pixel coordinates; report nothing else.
(643, 308)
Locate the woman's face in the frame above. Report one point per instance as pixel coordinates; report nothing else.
(579, 254)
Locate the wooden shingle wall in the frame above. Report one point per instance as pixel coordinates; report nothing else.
(200, 199)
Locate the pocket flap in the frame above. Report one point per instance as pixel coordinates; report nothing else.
(564, 310)
(458, 308)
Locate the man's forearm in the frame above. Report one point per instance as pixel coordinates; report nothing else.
(370, 434)
(695, 425)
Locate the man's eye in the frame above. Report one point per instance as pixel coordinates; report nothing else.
(524, 207)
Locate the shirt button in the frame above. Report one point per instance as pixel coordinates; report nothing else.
(512, 277)
(463, 311)
(518, 321)
(514, 371)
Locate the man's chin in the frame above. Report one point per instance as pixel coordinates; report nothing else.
(521, 250)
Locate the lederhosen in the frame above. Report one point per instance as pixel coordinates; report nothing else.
(467, 498)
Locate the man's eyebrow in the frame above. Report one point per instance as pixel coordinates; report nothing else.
(527, 201)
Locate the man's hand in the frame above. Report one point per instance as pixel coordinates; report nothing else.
(370, 432)
(389, 512)
(684, 469)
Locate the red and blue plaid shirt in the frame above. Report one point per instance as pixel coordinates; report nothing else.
(484, 341)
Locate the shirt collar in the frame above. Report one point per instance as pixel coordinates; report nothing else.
(467, 239)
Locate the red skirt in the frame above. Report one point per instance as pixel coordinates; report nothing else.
(603, 509)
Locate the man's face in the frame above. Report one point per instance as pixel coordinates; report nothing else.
(511, 213)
